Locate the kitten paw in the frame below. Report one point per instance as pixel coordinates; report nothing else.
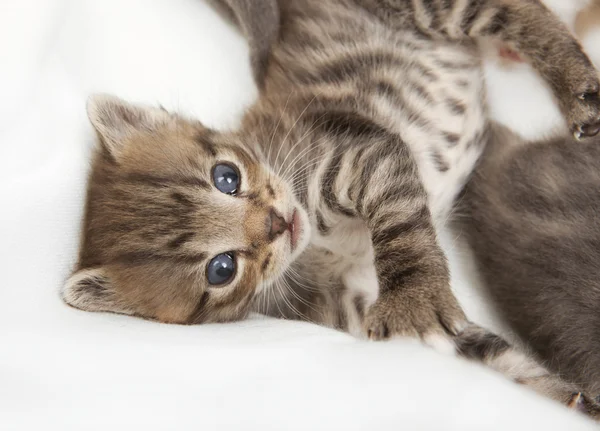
(383, 322)
(583, 110)
(575, 83)
(586, 115)
(400, 315)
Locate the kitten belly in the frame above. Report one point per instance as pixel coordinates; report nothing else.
(443, 187)
(445, 164)
(446, 135)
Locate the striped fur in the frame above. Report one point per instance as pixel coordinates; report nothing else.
(370, 118)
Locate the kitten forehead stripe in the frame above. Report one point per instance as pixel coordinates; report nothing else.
(205, 142)
(165, 182)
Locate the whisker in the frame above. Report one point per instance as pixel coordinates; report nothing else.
(281, 313)
(322, 155)
(312, 128)
(299, 298)
(274, 132)
(292, 128)
(293, 274)
(261, 301)
(304, 170)
(277, 125)
(303, 153)
(311, 163)
(270, 293)
(292, 307)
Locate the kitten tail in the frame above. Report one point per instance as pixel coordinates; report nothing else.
(479, 344)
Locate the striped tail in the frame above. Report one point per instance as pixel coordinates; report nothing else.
(481, 345)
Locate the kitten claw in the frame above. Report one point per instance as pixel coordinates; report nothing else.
(590, 95)
(582, 106)
(576, 401)
(378, 332)
(582, 404)
(586, 131)
(590, 130)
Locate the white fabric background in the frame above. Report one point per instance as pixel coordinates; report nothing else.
(64, 369)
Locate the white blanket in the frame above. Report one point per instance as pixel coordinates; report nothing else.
(61, 368)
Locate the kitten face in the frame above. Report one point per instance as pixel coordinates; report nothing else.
(182, 224)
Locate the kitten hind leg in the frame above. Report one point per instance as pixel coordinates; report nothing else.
(538, 36)
(530, 28)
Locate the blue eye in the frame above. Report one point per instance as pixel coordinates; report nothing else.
(221, 269)
(226, 178)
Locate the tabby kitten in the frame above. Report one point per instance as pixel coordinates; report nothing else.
(530, 213)
(324, 205)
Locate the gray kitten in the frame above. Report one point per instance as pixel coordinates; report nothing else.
(531, 215)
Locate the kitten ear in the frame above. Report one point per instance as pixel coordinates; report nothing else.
(115, 120)
(91, 290)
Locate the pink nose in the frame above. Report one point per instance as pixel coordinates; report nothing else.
(277, 224)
